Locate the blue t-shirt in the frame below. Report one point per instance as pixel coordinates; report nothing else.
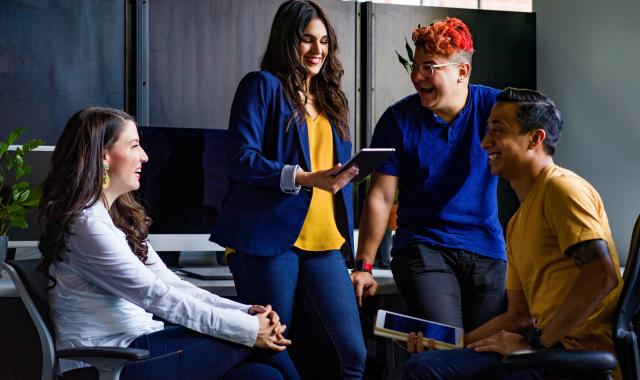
(448, 196)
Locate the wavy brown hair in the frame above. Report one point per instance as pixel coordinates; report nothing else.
(74, 182)
(282, 58)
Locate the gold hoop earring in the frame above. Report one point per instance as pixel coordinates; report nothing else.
(106, 178)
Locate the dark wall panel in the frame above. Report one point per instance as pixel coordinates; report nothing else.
(504, 42)
(200, 49)
(57, 57)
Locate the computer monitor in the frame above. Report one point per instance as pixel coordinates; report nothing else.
(183, 185)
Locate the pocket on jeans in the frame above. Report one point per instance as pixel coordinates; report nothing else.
(432, 259)
(420, 256)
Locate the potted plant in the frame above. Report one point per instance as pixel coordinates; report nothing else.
(17, 196)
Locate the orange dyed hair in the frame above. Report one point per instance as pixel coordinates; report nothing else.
(444, 37)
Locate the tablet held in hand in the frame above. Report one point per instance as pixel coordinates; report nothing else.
(399, 326)
(367, 160)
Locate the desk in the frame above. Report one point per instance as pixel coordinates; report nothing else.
(226, 288)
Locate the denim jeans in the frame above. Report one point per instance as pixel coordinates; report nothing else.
(179, 353)
(463, 364)
(449, 286)
(314, 291)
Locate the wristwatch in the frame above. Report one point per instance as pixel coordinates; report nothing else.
(363, 266)
(532, 338)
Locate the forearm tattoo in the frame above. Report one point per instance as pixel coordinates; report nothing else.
(587, 252)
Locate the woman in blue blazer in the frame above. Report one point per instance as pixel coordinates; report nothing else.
(287, 221)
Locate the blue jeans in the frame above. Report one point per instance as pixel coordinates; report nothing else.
(179, 353)
(463, 364)
(449, 286)
(319, 286)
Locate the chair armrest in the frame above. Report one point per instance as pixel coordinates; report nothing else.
(109, 361)
(131, 354)
(563, 361)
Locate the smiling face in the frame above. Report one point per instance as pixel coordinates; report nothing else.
(314, 47)
(445, 92)
(125, 158)
(509, 150)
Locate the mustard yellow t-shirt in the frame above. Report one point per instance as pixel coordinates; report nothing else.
(319, 231)
(560, 210)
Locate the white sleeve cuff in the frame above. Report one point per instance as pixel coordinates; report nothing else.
(237, 326)
(288, 180)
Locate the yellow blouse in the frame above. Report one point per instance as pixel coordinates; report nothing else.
(319, 231)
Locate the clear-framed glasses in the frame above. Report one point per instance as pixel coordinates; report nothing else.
(429, 69)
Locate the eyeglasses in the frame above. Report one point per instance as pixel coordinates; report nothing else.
(429, 69)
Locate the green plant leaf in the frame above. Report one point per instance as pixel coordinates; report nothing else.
(409, 50)
(3, 148)
(14, 209)
(16, 196)
(18, 158)
(15, 135)
(22, 196)
(32, 144)
(20, 185)
(404, 62)
(19, 221)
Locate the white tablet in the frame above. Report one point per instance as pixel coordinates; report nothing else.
(398, 326)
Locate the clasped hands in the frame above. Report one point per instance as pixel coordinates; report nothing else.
(270, 329)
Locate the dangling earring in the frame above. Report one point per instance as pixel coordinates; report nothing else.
(106, 179)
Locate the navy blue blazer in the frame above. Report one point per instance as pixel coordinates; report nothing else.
(257, 217)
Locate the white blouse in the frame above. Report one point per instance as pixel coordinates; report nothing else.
(105, 296)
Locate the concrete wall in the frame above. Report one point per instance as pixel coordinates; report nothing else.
(588, 62)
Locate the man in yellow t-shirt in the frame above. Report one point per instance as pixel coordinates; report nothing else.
(563, 278)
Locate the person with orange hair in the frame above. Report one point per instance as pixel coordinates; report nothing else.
(448, 251)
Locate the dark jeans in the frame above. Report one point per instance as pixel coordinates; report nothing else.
(450, 286)
(180, 353)
(463, 364)
(330, 341)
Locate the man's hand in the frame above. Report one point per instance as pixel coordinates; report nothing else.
(415, 343)
(328, 180)
(503, 343)
(364, 285)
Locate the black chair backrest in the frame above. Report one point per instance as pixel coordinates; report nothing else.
(626, 328)
(36, 283)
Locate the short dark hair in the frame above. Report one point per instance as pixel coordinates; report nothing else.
(535, 111)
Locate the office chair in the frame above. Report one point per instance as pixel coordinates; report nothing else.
(32, 288)
(600, 364)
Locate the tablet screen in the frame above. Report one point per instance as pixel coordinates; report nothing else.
(431, 330)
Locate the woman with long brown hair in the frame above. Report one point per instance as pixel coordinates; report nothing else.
(108, 280)
(288, 218)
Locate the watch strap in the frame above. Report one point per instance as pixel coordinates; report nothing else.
(363, 266)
